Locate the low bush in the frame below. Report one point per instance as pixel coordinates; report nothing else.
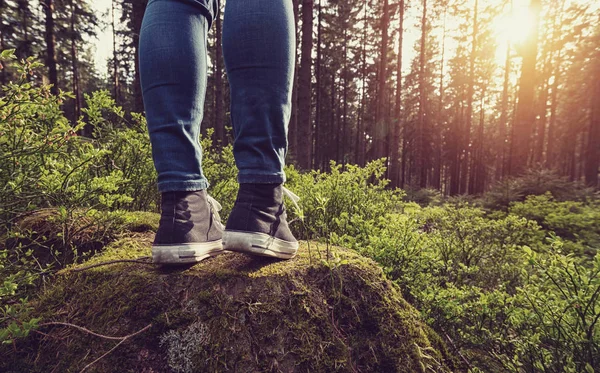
(341, 202)
(535, 182)
(578, 223)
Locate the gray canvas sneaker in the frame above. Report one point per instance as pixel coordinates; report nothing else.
(190, 228)
(258, 222)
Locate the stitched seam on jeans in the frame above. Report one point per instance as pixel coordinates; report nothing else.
(250, 208)
(173, 222)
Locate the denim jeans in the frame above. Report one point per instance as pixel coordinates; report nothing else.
(258, 48)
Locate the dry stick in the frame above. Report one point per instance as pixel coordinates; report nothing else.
(139, 260)
(457, 350)
(114, 348)
(81, 328)
(120, 339)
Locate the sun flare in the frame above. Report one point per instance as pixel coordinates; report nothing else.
(515, 25)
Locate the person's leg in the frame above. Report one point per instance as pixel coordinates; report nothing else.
(173, 75)
(258, 47)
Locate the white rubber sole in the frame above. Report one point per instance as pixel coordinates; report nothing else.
(259, 244)
(185, 253)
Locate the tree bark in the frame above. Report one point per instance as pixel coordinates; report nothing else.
(344, 129)
(525, 114)
(219, 112)
(437, 166)
(74, 62)
(360, 136)
(293, 127)
(421, 168)
(550, 158)
(502, 141)
(116, 80)
(398, 122)
(139, 6)
(381, 121)
(51, 46)
(23, 6)
(466, 145)
(304, 89)
(592, 161)
(318, 156)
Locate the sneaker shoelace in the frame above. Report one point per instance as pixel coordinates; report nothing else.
(213, 203)
(288, 193)
(215, 207)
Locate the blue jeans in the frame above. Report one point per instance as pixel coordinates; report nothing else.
(258, 48)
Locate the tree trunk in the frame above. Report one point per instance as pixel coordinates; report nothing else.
(478, 170)
(332, 150)
(116, 80)
(51, 46)
(318, 157)
(398, 122)
(344, 129)
(219, 112)
(525, 115)
(466, 145)
(381, 120)
(360, 138)
(550, 159)
(421, 168)
(304, 89)
(74, 62)
(25, 51)
(592, 161)
(437, 166)
(293, 127)
(138, 8)
(456, 150)
(502, 142)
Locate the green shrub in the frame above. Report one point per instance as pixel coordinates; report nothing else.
(535, 182)
(341, 202)
(424, 196)
(555, 322)
(576, 222)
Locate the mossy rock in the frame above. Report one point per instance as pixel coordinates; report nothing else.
(231, 313)
(60, 238)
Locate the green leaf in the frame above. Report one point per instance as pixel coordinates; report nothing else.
(7, 54)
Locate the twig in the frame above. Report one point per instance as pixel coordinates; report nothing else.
(81, 328)
(141, 260)
(458, 351)
(117, 345)
(120, 339)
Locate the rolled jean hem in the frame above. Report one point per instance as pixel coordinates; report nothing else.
(208, 8)
(262, 179)
(182, 186)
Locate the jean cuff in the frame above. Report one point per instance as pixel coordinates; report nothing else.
(278, 178)
(182, 186)
(208, 8)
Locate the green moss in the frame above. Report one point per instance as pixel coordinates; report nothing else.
(254, 314)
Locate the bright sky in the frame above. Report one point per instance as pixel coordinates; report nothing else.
(103, 44)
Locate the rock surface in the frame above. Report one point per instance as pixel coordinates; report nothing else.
(231, 313)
